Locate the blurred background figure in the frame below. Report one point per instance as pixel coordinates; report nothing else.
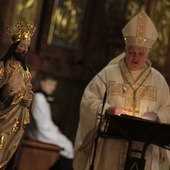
(43, 129)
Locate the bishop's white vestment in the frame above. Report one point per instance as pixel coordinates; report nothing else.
(149, 92)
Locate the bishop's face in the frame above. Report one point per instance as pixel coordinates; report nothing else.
(22, 48)
(136, 57)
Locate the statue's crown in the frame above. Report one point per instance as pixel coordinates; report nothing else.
(21, 33)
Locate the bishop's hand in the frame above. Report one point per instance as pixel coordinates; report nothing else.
(150, 116)
(117, 111)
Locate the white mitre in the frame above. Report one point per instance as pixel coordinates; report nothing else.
(140, 31)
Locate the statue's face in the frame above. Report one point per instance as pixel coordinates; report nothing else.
(23, 47)
(22, 50)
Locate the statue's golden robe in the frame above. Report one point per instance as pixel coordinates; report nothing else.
(14, 86)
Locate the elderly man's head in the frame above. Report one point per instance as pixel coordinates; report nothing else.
(139, 35)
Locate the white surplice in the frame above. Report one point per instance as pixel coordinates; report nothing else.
(43, 129)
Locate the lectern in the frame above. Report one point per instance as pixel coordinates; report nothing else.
(147, 131)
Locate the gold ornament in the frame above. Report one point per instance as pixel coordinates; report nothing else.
(21, 33)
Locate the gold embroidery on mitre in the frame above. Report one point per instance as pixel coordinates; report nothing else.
(140, 38)
(140, 30)
(141, 26)
(21, 33)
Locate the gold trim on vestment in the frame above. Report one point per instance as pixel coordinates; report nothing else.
(1, 73)
(133, 91)
(19, 96)
(2, 141)
(3, 117)
(15, 127)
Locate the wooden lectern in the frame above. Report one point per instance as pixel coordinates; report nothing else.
(148, 132)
